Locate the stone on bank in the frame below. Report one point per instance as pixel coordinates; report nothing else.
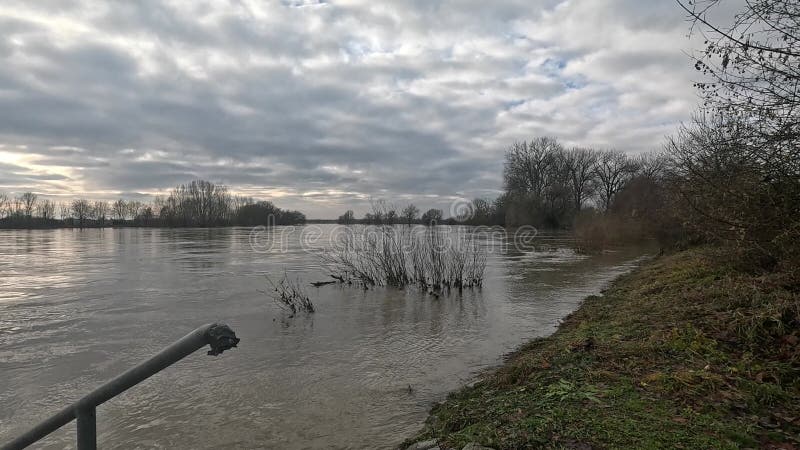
(432, 444)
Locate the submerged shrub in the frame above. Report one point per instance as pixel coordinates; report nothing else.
(428, 257)
(289, 295)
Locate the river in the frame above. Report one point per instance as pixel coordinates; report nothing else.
(78, 307)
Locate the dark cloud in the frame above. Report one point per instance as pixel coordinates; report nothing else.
(323, 104)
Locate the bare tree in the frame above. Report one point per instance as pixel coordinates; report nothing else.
(740, 159)
(391, 217)
(81, 210)
(63, 210)
(209, 203)
(46, 209)
(652, 166)
(754, 69)
(28, 203)
(481, 211)
(145, 215)
(613, 170)
(239, 202)
(16, 207)
(579, 164)
(537, 183)
(528, 166)
(724, 193)
(100, 209)
(120, 209)
(409, 214)
(347, 218)
(134, 209)
(432, 217)
(381, 212)
(199, 203)
(3, 204)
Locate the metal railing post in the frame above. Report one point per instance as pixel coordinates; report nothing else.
(218, 336)
(87, 427)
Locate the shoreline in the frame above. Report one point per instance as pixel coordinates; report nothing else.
(682, 352)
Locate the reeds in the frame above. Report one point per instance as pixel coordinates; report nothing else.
(430, 258)
(289, 294)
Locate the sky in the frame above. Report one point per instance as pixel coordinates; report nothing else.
(322, 105)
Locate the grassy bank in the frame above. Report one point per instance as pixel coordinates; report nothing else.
(686, 352)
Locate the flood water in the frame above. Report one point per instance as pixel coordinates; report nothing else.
(77, 307)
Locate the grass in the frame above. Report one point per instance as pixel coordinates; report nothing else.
(428, 257)
(686, 352)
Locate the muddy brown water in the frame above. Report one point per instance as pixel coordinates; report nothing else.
(78, 307)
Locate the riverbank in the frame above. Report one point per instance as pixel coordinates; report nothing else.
(685, 352)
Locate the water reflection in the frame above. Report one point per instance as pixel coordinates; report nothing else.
(77, 307)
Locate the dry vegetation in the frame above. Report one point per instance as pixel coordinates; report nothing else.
(289, 294)
(428, 257)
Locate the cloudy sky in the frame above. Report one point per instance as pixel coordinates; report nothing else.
(322, 104)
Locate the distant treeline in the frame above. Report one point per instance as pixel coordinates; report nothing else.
(546, 185)
(196, 204)
(382, 213)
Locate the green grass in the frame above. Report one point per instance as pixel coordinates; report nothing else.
(686, 352)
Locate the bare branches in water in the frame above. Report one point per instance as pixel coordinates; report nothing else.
(289, 294)
(428, 257)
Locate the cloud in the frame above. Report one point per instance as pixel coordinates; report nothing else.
(320, 105)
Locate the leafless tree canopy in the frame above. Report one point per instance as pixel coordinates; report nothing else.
(753, 64)
(347, 218)
(613, 171)
(409, 214)
(29, 202)
(432, 216)
(548, 185)
(530, 166)
(81, 209)
(46, 209)
(579, 165)
(738, 162)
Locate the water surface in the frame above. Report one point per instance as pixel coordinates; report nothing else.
(78, 307)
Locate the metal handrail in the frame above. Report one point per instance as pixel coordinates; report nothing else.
(219, 336)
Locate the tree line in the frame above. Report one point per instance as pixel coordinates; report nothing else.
(382, 213)
(199, 203)
(548, 185)
(545, 184)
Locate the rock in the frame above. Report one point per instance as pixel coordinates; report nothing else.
(473, 383)
(474, 446)
(424, 445)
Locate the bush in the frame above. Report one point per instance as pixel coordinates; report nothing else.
(431, 258)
